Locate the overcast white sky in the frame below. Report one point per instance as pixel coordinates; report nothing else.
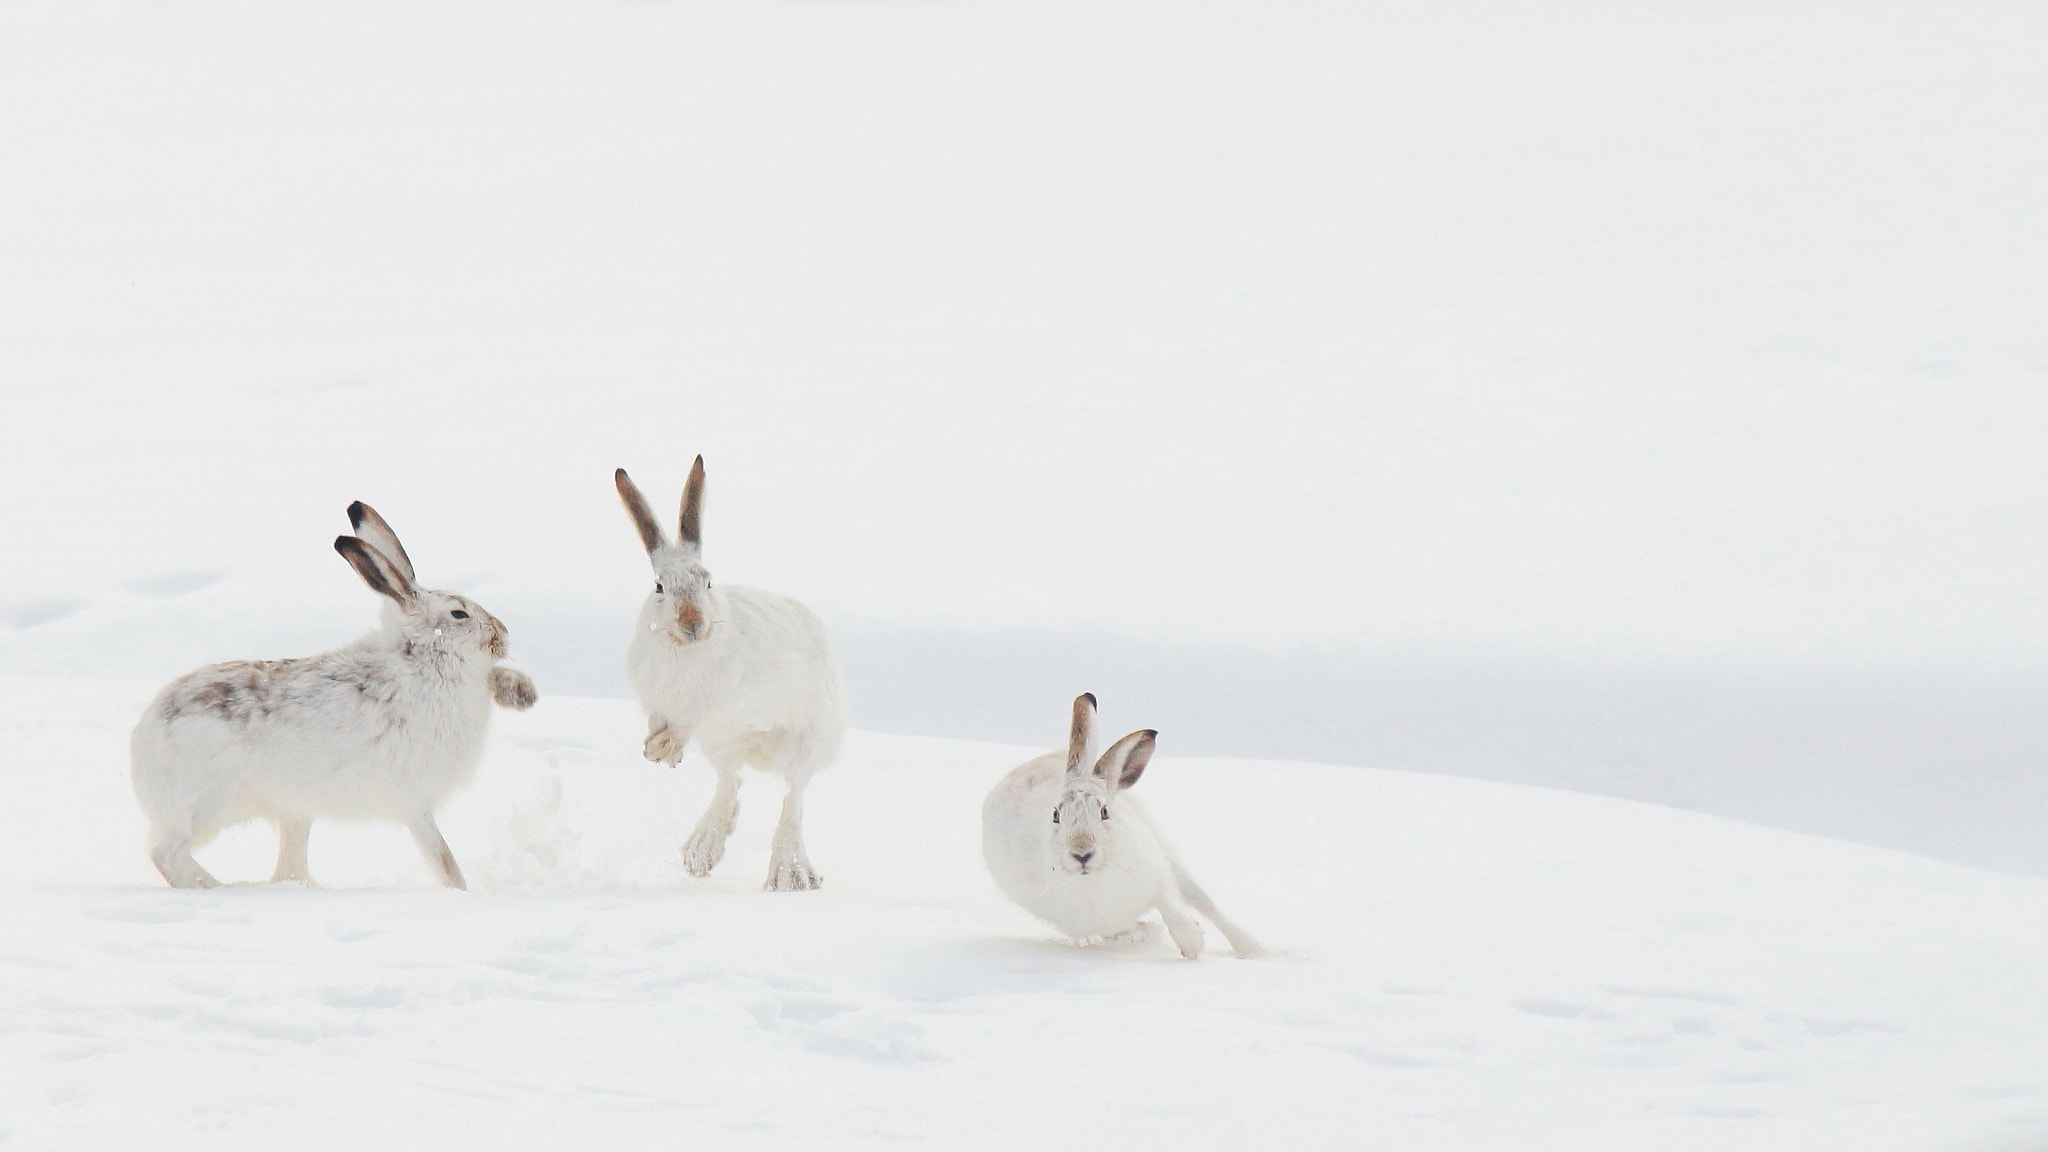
(1702, 334)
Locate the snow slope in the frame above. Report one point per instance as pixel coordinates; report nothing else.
(1466, 966)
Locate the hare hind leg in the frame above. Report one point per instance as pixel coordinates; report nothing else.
(172, 854)
(1181, 925)
(427, 835)
(172, 841)
(794, 756)
(1241, 941)
(789, 869)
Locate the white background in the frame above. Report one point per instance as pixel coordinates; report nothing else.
(1644, 400)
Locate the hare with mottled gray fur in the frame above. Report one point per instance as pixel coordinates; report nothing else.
(746, 673)
(1062, 839)
(382, 729)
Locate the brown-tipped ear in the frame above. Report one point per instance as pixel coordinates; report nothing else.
(636, 507)
(1125, 761)
(1082, 731)
(690, 530)
(378, 534)
(379, 573)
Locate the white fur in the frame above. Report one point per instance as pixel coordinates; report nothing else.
(1103, 864)
(382, 729)
(745, 673)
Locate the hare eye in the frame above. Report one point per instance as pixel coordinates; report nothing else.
(1105, 811)
(1055, 815)
(657, 589)
(459, 614)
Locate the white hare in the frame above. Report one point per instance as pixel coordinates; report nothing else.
(382, 729)
(746, 673)
(1062, 839)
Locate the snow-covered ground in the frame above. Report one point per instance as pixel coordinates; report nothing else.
(1465, 965)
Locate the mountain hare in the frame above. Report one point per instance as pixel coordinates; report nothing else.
(745, 672)
(383, 729)
(1064, 841)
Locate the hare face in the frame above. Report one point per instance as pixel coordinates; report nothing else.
(1081, 840)
(683, 597)
(682, 602)
(1081, 837)
(455, 621)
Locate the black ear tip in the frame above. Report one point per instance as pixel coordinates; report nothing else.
(345, 544)
(1090, 698)
(1151, 733)
(618, 473)
(355, 514)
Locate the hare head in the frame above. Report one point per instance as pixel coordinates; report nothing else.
(682, 595)
(1083, 836)
(421, 618)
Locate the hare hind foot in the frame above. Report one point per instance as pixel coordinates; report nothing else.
(795, 875)
(174, 861)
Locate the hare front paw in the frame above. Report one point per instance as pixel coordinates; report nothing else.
(665, 745)
(513, 689)
(704, 849)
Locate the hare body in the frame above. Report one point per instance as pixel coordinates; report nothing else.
(382, 729)
(746, 673)
(1108, 899)
(1064, 841)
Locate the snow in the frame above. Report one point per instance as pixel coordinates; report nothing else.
(1463, 965)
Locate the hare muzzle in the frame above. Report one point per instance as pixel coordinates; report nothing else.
(1081, 852)
(690, 621)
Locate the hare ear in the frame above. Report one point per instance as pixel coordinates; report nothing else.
(637, 508)
(377, 534)
(378, 572)
(1082, 733)
(1125, 761)
(691, 529)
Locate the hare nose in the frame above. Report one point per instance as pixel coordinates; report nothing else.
(1082, 858)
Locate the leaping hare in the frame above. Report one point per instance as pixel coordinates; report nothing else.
(745, 672)
(1063, 840)
(382, 729)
